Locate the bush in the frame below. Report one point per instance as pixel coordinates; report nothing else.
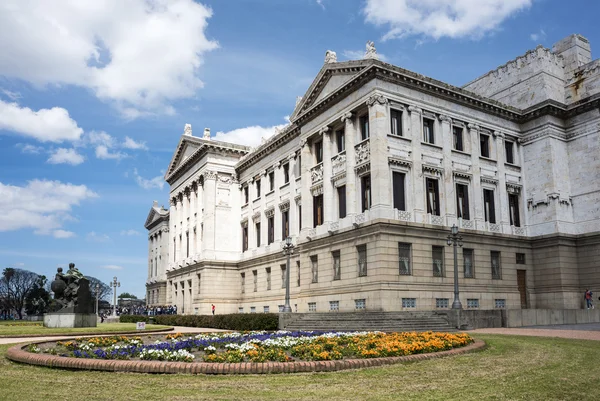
(135, 318)
(236, 321)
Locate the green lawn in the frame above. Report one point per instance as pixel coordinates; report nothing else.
(7, 329)
(512, 367)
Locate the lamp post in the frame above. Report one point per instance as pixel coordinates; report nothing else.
(97, 288)
(114, 284)
(455, 240)
(288, 250)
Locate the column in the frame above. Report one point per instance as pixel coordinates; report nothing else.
(293, 216)
(418, 183)
(379, 127)
(200, 217)
(307, 201)
(171, 237)
(210, 186)
(278, 181)
(502, 192)
(477, 193)
(449, 192)
(251, 223)
(192, 225)
(264, 223)
(150, 256)
(350, 138)
(327, 186)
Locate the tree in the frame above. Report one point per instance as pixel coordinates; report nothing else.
(38, 299)
(15, 286)
(127, 295)
(105, 290)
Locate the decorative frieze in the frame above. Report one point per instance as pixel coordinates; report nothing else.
(462, 175)
(362, 152)
(270, 212)
(285, 205)
(396, 161)
(256, 217)
(489, 180)
(362, 169)
(433, 170)
(338, 164)
(317, 189)
(316, 173)
(512, 188)
(376, 99)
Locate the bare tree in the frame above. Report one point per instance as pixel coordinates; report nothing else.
(15, 286)
(105, 290)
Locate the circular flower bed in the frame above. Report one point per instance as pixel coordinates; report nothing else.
(281, 346)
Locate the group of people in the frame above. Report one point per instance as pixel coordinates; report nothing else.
(148, 310)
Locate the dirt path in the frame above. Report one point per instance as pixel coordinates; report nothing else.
(542, 332)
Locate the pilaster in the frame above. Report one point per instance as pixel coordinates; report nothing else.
(379, 126)
(293, 216)
(350, 135)
(327, 186)
(209, 201)
(448, 177)
(477, 191)
(502, 193)
(307, 201)
(416, 134)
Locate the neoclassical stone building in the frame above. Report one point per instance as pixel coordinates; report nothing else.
(374, 168)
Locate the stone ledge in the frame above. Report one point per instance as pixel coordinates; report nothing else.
(18, 354)
(87, 334)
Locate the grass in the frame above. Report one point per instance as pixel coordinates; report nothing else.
(512, 367)
(30, 328)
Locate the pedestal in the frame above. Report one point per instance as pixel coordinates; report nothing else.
(70, 320)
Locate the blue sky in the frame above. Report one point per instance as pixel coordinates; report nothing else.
(94, 96)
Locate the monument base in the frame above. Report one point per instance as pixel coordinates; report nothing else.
(70, 320)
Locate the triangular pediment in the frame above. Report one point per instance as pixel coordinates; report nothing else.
(156, 213)
(184, 150)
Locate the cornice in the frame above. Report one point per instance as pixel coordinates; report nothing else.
(288, 134)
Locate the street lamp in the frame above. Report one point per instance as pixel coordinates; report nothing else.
(114, 284)
(455, 240)
(97, 288)
(288, 249)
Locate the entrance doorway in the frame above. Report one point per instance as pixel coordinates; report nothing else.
(522, 284)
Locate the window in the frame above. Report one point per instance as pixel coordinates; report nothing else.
(457, 134)
(362, 260)
(317, 210)
(340, 140)
(255, 278)
(500, 303)
(285, 224)
(271, 181)
(341, 191)
(484, 142)
(337, 269)
(271, 228)
(496, 273)
(243, 277)
(398, 190)
(404, 259)
(246, 194)
(265, 309)
(520, 258)
(472, 303)
(199, 283)
(334, 306)
(280, 307)
(282, 276)
(433, 196)
(312, 306)
(462, 201)
(428, 135)
(396, 122)
(508, 148)
(360, 304)
(314, 266)
(253, 309)
(488, 206)
(258, 188)
(513, 210)
(174, 250)
(244, 238)
(409, 302)
(298, 270)
(240, 310)
(319, 151)
(257, 235)
(300, 217)
(437, 253)
(268, 270)
(298, 166)
(441, 303)
(468, 264)
(366, 192)
(187, 244)
(364, 127)
(286, 173)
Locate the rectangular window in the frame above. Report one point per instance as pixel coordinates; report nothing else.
(253, 309)
(484, 142)
(409, 302)
(513, 210)
(457, 133)
(334, 306)
(340, 140)
(187, 245)
(243, 277)
(364, 127)
(396, 122)
(362, 260)
(441, 303)
(500, 303)
(271, 227)
(433, 196)
(428, 134)
(341, 191)
(280, 307)
(462, 201)
(469, 266)
(508, 148)
(298, 273)
(317, 210)
(244, 238)
(174, 250)
(437, 255)
(268, 270)
(258, 188)
(404, 258)
(399, 190)
(271, 181)
(285, 224)
(286, 173)
(365, 188)
(314, 266)
(265, 309)
(255, 278)
(240, 310)
(319, 152)
(312, 306)
(488, 206)
(298, 166)
(246, 195)
(472, 303)
(360, 304)
(496, 272)
(300, 217)
(520, 258)
(199, 283)
(258, 235)
(337, 269)
(282, 276)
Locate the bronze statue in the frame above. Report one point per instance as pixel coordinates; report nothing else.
(71, 292)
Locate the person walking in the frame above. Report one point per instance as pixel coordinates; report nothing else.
(588, 299)
(212, 306)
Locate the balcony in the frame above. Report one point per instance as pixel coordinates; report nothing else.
(362, 152)
(316, 173)
(338, 164)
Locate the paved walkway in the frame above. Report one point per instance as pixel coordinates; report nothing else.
(589, 331)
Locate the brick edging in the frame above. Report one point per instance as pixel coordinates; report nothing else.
(87, 334)
(18, 354)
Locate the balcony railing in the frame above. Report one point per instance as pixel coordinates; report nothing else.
(316, 173)
(362, 151)
(338, 164)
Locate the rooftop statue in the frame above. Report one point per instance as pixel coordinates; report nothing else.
(330, 57)
(371, 52)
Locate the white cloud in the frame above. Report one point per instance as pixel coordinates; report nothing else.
(441, 18)
(541, 35)
(29, 149)
(130, 232)
(95, 237)
(360, 54)
(14, 96)
(141, 55)
(111, 267)
(65, 156)
(102, 152)
(100, 138)
(131, 144)
(46, 125)
(249, 136)
(41, 205)
(63, 234)
(320, 2)
(156, 182)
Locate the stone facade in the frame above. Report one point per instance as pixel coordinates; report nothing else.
(376, 165)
